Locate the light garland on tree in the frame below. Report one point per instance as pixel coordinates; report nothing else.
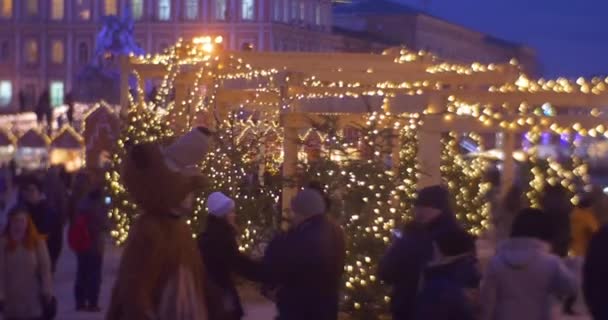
(465, 179)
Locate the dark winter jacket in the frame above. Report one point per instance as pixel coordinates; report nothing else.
(48, 222)
(406, 259)
(445, 291)
(557, 205)
(595, 275)
(98, 224)
(306, 266)
(222, 260)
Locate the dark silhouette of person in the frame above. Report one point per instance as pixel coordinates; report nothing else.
(22, 101)
(69, 100)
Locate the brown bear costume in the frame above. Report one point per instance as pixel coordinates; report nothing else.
(161, 274)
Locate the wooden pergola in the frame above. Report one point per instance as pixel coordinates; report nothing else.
(349, 85)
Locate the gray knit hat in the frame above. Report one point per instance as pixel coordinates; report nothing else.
(308, 202)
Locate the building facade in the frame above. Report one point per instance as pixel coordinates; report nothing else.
(391, 23)
(44, 44)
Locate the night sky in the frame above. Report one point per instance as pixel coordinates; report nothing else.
(569, 36)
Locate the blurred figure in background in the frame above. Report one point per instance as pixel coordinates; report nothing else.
(595, 277)
(556, 203)
(451, 280)
(25, 269)
(307, 262)
(524, 277)
(45, 218)
(405, 260)
(222, 259)
(87, 238)
(584, 224)
(506, 212)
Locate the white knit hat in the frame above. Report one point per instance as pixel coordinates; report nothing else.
(187, 151)
(219, 205)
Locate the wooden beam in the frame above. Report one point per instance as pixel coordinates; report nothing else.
(515, 98)
(299, 120)
(446, 123)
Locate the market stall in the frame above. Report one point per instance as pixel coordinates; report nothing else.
(32, 150)
(67, 149)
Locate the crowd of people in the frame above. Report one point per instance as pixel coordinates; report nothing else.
(554, 255)
(38, 209)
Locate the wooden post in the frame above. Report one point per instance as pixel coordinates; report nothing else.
(429, 158)
(429, 147)
(508, 170)
(141, 87)
(124, 84)
(290, 162)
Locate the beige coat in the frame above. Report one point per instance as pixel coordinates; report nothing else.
(25, 276)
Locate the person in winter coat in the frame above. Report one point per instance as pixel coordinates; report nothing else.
(25, 269)
(222, 258)
(595, 277)
(505, 213)
(556, 204)
(94, 214)
(451, 282)
(306, 263)
(584, 224)
(45, 217)
(524, 277)
(407, 257)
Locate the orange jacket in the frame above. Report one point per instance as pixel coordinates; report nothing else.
(583, 225)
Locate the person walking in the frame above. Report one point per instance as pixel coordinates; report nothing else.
(524, 277)
(557, 206)
(504, 215)
(87, 239)
(25, 270)
(451, 281)
(45, 217)
(595, 277)
(584, 224)
(222, 259)
(307, 262)
(406, 258)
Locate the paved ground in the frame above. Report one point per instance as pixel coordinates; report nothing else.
(257, 308)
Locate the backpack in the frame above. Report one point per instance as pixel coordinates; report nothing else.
(79, 238)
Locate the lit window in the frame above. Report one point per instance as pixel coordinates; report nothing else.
(247, 9)
(191, 8)
(6, 93)
(83, 10)
(31, 51)
(83, 53)
(110, 8)
(318, 14)
(276, 10)
(137, 7)
(57, 93)
(220, 9)
(286, 11)
(57, 9)
(164, 10)
(57, 52)
(302, 11)
(6, 9)
(294, 9)
(31, 8)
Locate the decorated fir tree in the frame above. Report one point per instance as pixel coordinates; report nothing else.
(369, 198)
(466, 181)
